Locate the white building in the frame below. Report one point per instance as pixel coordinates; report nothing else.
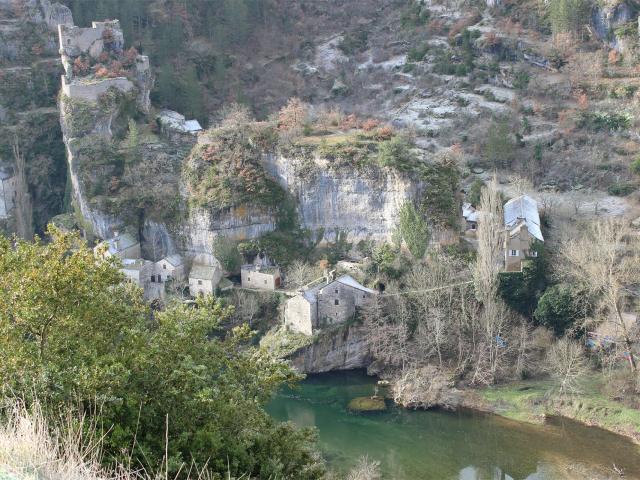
(137, 270)
(174, 122)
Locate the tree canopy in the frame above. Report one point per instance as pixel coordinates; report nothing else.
(75, 336)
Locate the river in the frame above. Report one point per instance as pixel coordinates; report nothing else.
(425, 445)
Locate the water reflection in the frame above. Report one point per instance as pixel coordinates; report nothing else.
(440, 445)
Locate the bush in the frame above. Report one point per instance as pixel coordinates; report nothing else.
(412, 228)
(597, 121)
(500, 146)
(416, 54)
(397, 153)
(415, 14)
(354, 42)
(560, 307)
(635, 166)
(621, 189)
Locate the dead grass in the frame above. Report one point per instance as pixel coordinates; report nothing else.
(32, 449)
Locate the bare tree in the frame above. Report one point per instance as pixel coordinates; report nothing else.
(300, 273)
(366, 469)
(605, 262)
(567, 364)
(247, 306)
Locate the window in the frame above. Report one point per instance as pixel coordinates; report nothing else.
(265, 282)
(248, 279)
(337, 302)
(159, 278)
(336, 290)
(473, 226)
(199, 282)
(153, 278)
(364, 296)
(164, 266)
(533, 254)
(513, 253)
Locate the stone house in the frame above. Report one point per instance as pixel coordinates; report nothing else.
(260, 277)
(522, 230)
(470, 217)
(123, 246)
(7, 192)
(331, 303)
(203, 279)
(170, 267)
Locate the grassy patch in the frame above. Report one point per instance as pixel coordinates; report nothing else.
(530, 401)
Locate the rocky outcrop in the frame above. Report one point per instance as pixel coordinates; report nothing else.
(343, 348)
(236, 223)
(362, 203)
(608, 20)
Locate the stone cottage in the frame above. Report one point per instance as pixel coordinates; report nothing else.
(170, 267)
(121, 246)
(261, 277)
(7, 192)
(331, 303)
(522, 230)
(174, 125)
(203, 279)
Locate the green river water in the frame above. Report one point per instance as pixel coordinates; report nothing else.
(444, 445)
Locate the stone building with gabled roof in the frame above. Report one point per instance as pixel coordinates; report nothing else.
(333, 302)
(522, 230)
(203, 279)
(170, 267)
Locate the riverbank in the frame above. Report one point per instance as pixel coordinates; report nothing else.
(531, 402)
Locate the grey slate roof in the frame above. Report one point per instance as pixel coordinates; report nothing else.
(120, 243)
(351, 282)
(202, 272)
(175, 259)
(523, 209)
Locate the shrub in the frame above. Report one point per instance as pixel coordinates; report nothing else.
(370, 124)
(412, 228)
(416, 54)
(500, 146)
(635, 166)
(397, 153)
(560, 307)
(621, 189)
(597, 121)
(415, 14)
(354, 42)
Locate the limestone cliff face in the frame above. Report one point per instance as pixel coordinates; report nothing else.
(362, 203)
(203, 226)
(342, 349)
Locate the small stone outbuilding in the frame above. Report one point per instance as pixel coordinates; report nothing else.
(331, 303)
(260, 277)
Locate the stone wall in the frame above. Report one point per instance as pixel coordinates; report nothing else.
(336, 304)
(91, 91)
(300, 315)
